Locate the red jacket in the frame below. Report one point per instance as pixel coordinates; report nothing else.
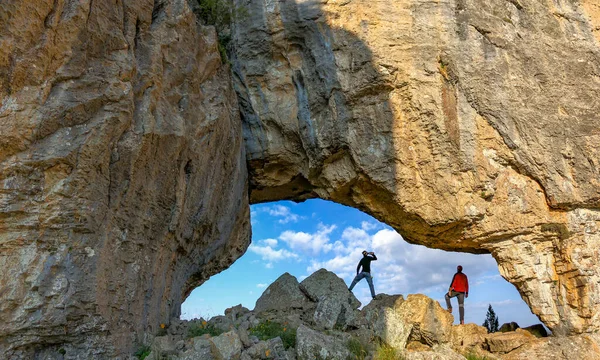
(460, 283)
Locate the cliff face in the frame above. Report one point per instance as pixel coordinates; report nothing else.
(122, 172)
(466, 125)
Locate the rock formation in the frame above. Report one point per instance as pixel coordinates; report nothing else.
(466, 125)
(413, 329)
(123, 182)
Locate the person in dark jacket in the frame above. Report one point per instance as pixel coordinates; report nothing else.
(365, 263)
(459, 287)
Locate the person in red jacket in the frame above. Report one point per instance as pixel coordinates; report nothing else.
(459, 287)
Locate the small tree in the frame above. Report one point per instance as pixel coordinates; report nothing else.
(491, 320)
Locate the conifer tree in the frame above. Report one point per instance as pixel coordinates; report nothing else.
(491, 320)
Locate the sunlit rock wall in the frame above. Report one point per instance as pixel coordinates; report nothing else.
(468, 125)
(123, 182)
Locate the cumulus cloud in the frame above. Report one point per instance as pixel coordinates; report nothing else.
(401, 268)
(262, 285)
(310, 244)
(282, 212)
(269, 254)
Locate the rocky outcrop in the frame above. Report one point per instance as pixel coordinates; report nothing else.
(416, 328)
(122, 175)
(466, 125)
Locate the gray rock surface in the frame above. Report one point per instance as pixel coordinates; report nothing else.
(336, 305)
(226, 346)
(283, 294)
(123, 179)
(312, 345)
(467, 125)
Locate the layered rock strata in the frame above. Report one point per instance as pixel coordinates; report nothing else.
(122, 175)
(466, 125)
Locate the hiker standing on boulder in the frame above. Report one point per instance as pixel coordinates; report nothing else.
(459, 287)
(365, 263)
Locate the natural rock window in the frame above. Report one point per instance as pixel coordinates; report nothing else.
(302, 238)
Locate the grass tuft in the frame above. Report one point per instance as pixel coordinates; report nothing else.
(357, 348)
(203, 328)
(269, 330)
(142, 352)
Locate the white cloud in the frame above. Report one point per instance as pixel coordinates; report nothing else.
(262, 285)
(270, 254)
(310, 244)
(368, 226)
(401, 268)
(279, 211)
(269, 242)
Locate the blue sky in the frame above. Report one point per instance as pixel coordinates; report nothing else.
(302, 238)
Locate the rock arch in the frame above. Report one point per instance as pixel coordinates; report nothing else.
(465, 125)
(447, 121)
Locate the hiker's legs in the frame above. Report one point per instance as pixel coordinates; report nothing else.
(370, 281)
(461, 307)
(357, 278)
(448, 303)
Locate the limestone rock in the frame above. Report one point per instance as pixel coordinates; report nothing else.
(511, 326)
(324, 284)
(469, 336)
(336, 306)
(439, 352)
(270, 349)
(226, 346)
(236, 312)
(430, 323)
(311, 345)
(122, 172)
(559, 348)
(467, 125)
(537, 330)
(283, 294)
(503, 343)
(200, 349)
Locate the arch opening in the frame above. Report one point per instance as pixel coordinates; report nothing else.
(301, 238)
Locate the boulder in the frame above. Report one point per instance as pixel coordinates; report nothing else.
(418, 318)
(511, 326)
(269, 349)
(283, 294)
(164, 345)
(325, 284)
(336, 306)
(383, 318)
(236, 312)
(311, 345)
(226, 346)
(469, 336)
(502, 343)
(199, 348)
(223, 323)
(584, 347)
(537, 330)
(430, 323)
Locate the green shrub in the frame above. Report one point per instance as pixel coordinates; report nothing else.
(142, 352)
(356, 348)
(385, 352)
(203, 328)
(268, 330)
(221, 14)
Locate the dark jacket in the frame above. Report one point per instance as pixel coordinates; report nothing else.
(365, 262)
